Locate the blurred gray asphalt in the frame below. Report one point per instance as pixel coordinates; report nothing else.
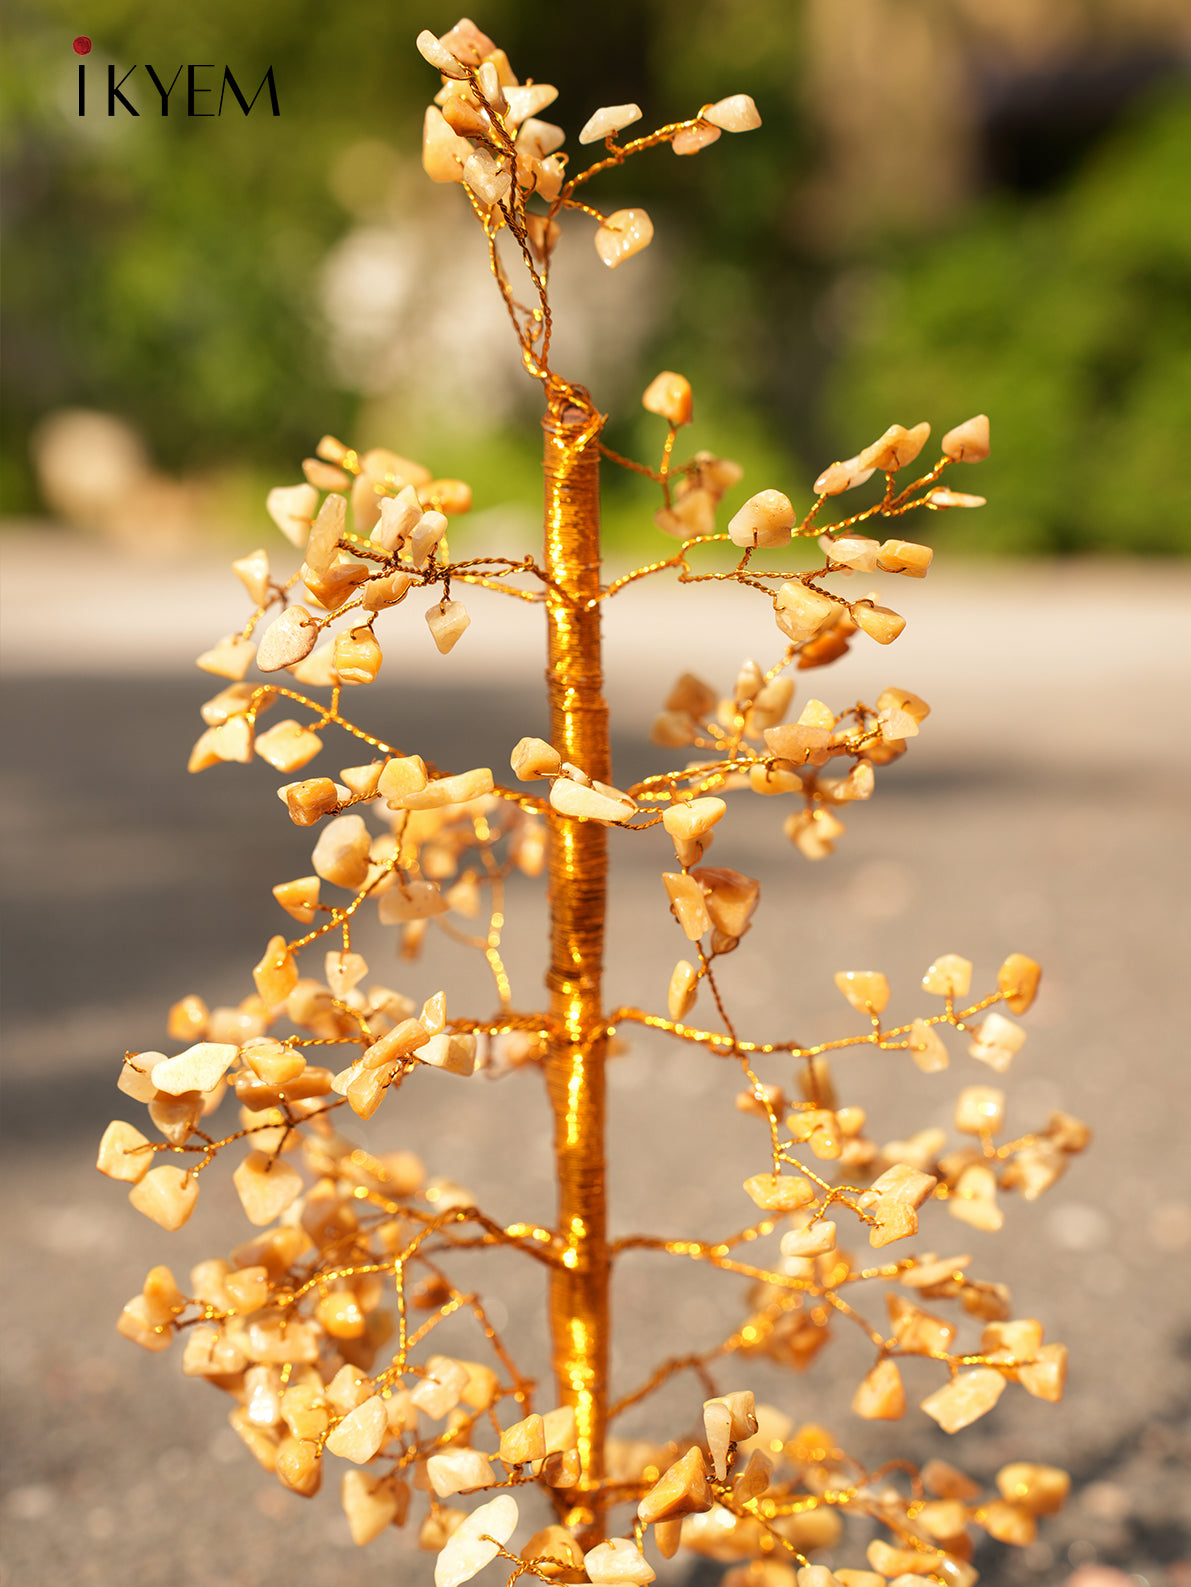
(1043, 809)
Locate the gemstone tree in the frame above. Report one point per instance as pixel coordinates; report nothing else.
(307, 1325)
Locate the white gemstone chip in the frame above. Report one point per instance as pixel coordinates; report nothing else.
(618, 1560)
(996, 1042)
(288, 638)
(438, 55)
(447, 622)
(199, 1068)
(458, 1470)
(253, 573)
(609, 120)
(737, 113)
(229, 657)
(476, 1541)
(291, 508)
(361, 1432)
(603, 804)
(968, 442)
(691, 139)
(525, 101)
(622, 235)
(766, 519)
(842, 476)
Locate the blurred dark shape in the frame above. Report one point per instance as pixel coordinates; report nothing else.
(1037, 129)
(918, 108)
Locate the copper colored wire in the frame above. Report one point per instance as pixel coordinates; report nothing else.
(577, 883)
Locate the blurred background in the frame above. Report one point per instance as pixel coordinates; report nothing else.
(954, 206)
(977, 203)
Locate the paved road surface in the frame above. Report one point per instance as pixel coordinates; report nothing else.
(1044, 809)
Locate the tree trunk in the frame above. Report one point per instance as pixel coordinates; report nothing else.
(577, 883)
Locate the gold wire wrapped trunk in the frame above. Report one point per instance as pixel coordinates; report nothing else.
(577, 893)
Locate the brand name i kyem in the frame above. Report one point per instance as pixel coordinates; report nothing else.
(192, 91)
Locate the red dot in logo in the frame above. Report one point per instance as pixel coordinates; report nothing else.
(82, 46)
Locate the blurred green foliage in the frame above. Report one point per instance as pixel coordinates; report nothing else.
(1071, 320)
(167, 269)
